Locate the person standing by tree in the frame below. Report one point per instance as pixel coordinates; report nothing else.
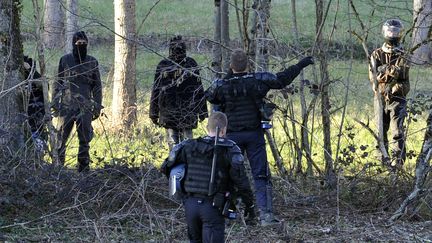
(177, 98)
(35, 105)
(240, 96)
(204, 206)
(77, 98)
(391, 67)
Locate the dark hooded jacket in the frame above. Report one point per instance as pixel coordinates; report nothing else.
(177, 98)
(78, 87)
(35, 107)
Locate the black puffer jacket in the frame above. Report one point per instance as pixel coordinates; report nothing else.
(177, 98)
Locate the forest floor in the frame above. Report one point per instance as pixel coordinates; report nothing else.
(43, 203)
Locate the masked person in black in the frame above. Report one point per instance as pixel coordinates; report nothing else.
(35, 106)
(177, 98)
(204, 208)
(77, 98)
(391, 67)
(240, 96)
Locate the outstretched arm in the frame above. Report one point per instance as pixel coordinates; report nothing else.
(285, 77)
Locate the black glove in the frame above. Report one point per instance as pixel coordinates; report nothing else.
(55, 108)
(305, 62)
(202, 116)
(96, 114)
(154, 120)
(249, 215)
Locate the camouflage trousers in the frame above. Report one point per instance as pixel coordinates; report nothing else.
(176, 136)
(394, 113)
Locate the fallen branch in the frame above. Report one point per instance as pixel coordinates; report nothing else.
(422, 170)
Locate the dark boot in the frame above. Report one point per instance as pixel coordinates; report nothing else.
(268, 218)
(83, 167)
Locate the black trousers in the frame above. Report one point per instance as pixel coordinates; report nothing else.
(253, 143)
(85, 134)
(205, 222)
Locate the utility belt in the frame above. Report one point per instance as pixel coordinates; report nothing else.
(221, 201)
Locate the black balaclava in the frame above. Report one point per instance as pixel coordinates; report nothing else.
(79, 51)
(177, 49)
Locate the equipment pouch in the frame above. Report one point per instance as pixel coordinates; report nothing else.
(267, 110)
(219, 200)
(229, 211)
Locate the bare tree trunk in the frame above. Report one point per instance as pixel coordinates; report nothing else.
(422, 32)
(239, 23)
(53, 24)
(71, 23)
(225, 35)
(325, 100)
(124, 91)
(304, 115)
(47, 105)
(11, 59)
(378, 99)
(262, 52)
(251, 44)
(422, 170)
(217, 50)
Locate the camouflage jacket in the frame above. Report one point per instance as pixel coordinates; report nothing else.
(391, 66)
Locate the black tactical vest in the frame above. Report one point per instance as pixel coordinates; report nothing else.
(239, 94)
(200, 155)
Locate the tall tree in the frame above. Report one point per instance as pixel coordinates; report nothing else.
(124, 91)
(217, 50)
(71, 23)
(263, 15)
(11, 59)
(41, 56)
(304, 141)
(251, 37)
(422, 32)
(225, 35)
(325, 99)
(53, 23)
(221, 39)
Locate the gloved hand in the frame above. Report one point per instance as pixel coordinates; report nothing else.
(382, 69)
(154, 120)
(249, 215)
(55, 108)
(202, 116)
(305, 62)
(96, 113)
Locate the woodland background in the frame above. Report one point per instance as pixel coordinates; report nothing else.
(329, 185)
